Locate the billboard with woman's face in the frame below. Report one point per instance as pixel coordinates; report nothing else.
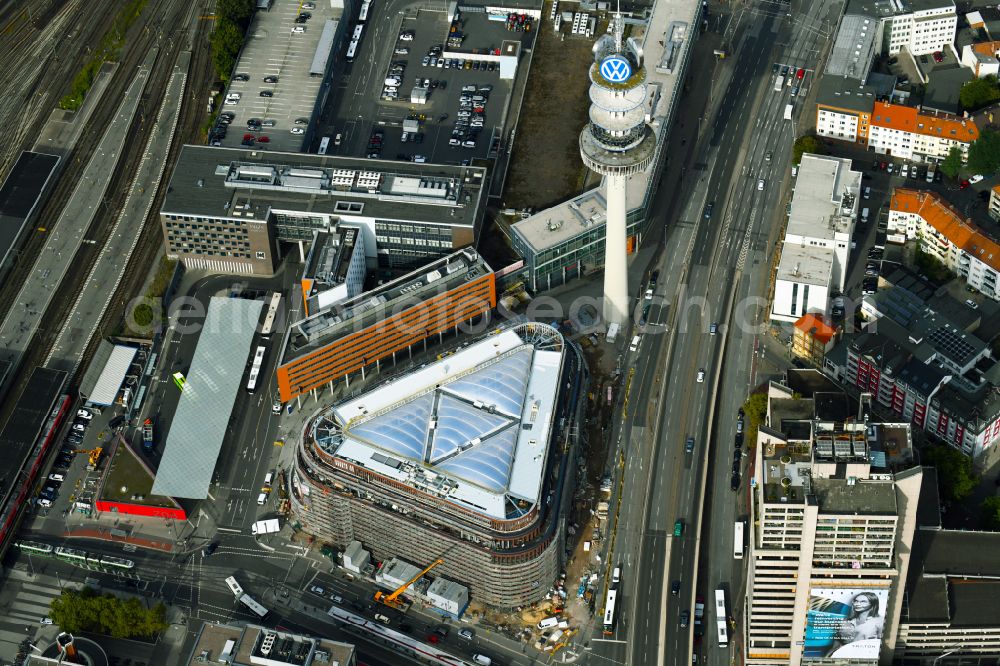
(845, 623)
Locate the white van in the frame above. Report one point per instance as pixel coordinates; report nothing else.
(635, 344)
(482, 659)
(864, 216)
(262, 499)
(268, 478)
(616, 577)
(548, 623)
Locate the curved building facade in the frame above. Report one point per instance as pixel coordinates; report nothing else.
(459, 460)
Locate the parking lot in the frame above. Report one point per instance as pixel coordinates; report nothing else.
(449, 129)
(272, 84)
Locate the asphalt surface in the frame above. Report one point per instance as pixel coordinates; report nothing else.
(708, 268)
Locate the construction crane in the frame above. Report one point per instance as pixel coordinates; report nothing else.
(392, 599)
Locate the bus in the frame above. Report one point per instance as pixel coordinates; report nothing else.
(272, 312)
(323, 145)
(720, 617)
(363, 14)
(609, 613)
(234, 587)
(352, 51)
(253, 606)
(35, 547)
(738, 540)
(258, 361)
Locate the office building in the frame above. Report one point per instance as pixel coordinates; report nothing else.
(334, 269)
(461, 459)
(832, 519)
(817, 240)
(360, 334)
(234, 210)
(253, 645)
(944, 233)
(951, 615)
(920, 27)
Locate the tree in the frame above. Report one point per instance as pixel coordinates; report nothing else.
(984, 153)
(930, 267)
(755, 410)
(226, 42)
(86, 610)
(954, 470)
(979, 92)
(142, 315)
(953, 163)
(991, 514)
(238, 12)
(807, 143)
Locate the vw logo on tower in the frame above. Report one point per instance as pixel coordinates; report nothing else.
(616, 69)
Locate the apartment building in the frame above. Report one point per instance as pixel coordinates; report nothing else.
(982, 58)
(944, 233)
(904, 132)
(994, 205)
(833, 509)
(812, 337)
(843, 101)
(456, 460)
(817, 239)
(232, 210)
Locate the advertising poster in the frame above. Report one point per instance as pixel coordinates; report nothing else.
(845, 623)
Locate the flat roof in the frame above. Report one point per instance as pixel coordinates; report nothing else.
(943, 86)
(272, 49)
(129, 480)
(355, 314)
(206, 402)
(330, 256)
(854, 47)
(664, 43)
(113, 371)
(473, 428)
(20, 196)
(825, 198)
(845, 93)
(247, 644)
(837, 496)
(961, 553)
(27, 421)
(246, 184)
(805, 264)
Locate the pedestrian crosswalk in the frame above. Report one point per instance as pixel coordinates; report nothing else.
(23, 605)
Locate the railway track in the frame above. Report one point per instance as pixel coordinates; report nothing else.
(163, 22)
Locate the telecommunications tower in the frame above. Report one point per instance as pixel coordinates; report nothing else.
(617, 143)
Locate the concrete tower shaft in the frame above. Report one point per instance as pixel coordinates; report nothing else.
(617, 143)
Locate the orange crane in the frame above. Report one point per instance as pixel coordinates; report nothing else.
(392, 599)
(94, 456)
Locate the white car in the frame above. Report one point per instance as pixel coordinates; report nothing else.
(45, 620)
(406, 37)
(79, 427)
(44, 503)
(308, 5)
(297, 130)
(316, 589)
(84, 414)
(760, 185)
(649, 294)
(701, 375)
(975, 179)
(276, 407)
(298, 30)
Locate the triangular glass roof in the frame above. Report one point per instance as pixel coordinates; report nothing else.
(501, 384)
(486, 464)
(458, 423)
(402, 431)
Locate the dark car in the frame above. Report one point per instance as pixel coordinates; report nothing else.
(736, 466)
(441, 630)
(675, 588)
(405, 628)
(653, 278)
(267, 93)
(685, 618)
(689, 445)
(738, 440)
(734, 482)
(708, 209)
(737, 454)
(241, 77)
(209, 549)
(270, 79)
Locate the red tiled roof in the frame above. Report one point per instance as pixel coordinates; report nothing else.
(949, 222)
(817, 326)
(907, 119)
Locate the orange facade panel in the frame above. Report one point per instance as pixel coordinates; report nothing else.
(409, 326)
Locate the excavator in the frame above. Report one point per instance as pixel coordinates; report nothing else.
(392, 600)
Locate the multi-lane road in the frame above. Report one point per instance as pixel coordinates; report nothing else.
(688, 382)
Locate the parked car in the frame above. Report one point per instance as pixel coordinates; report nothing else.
(84, 414)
